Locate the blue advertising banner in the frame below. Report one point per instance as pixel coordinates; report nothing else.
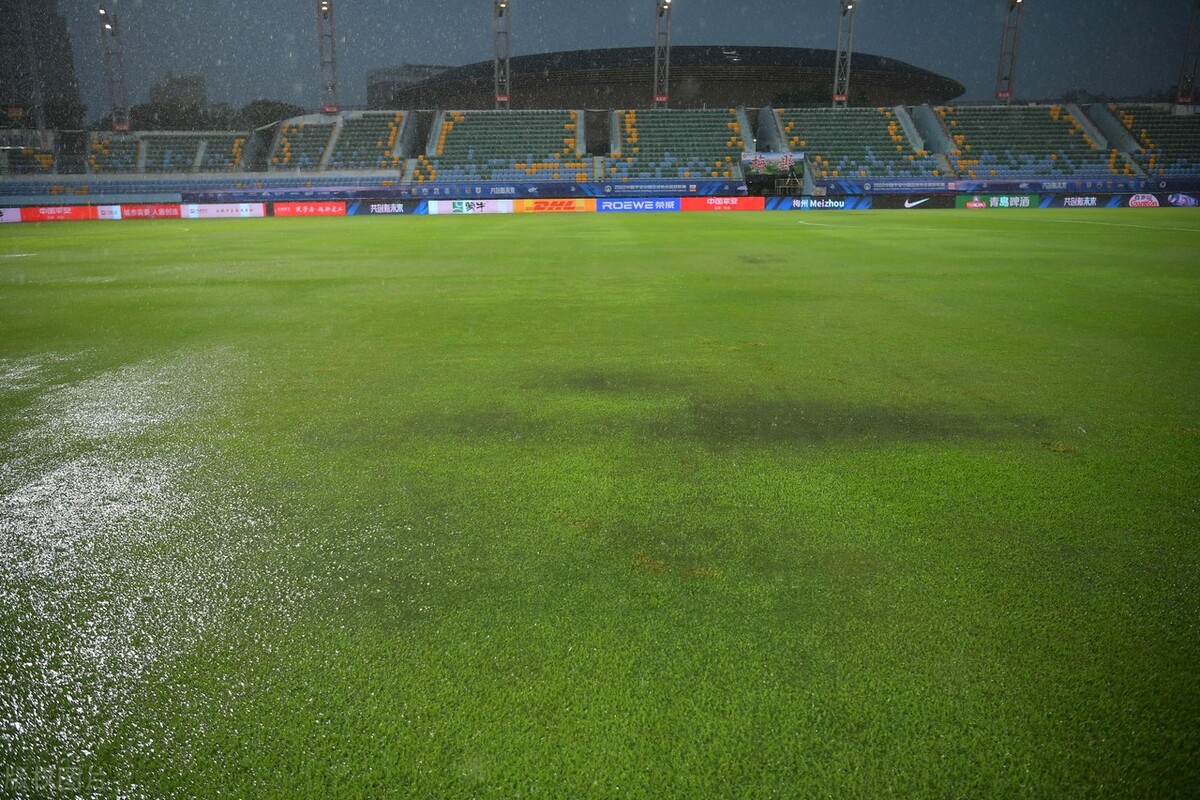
(819, 203)
(670, 188)
(532, 191)
(607, 205)
(1140, 200)
(1114, 185)
(390, 206)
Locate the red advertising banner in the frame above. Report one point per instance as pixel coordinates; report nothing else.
(58, 214)
(724, 204)
(313, 209)
(151, 211)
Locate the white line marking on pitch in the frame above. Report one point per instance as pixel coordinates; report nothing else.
(819, 224)
(17, 255)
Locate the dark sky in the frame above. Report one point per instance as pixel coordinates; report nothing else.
(268, 48)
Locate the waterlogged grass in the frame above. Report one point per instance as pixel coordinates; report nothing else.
(765, 505)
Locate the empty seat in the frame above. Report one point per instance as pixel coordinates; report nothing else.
(485, 146)
(1023, 142)
(856, 143)
(668, 144)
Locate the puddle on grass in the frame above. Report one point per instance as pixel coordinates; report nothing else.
(24, 374)
(113, 564)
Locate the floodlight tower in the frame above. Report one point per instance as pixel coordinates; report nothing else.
(37, 93)
(1186, 95)
(845, 49)
(327, 45)
(662, 53)
(114, 69)
(501, 27)
(1008, 52)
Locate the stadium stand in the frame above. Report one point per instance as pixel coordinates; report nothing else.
(505, 146)
(367, 141)
(302, 145)
(27, 161)
(855, 143)
(113, 153)
(1015, 142)
(1170, 144)
(177, 152)
(677, 144)
(223, 152)
(171, 152)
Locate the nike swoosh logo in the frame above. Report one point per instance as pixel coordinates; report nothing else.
(910, 204)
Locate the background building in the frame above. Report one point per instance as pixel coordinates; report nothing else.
(36, 64)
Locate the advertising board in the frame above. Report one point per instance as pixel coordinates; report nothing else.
(668, 188)
(390, 207)
(223, 210)
(1175, 200)
(913, 202)
(561, 205)
(329, 208)
(10, 215)
(635, 205)
(998, 186)
(444, 207)
(723, 203)
(985, 202)
(820, 203)
(58, 214)
(151, 211)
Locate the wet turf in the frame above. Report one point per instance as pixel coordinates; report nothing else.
(897, 505)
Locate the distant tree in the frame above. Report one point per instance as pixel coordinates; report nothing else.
(222, 117)
(168, 117)
(262, 112)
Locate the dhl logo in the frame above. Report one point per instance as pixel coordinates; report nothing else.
(556, 206)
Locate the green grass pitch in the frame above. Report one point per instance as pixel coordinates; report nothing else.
(752, 505)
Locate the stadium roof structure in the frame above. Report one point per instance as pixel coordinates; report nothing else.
(701, 76)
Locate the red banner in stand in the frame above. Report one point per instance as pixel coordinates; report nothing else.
(724, 203)
(58, 214)
(313, 209)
